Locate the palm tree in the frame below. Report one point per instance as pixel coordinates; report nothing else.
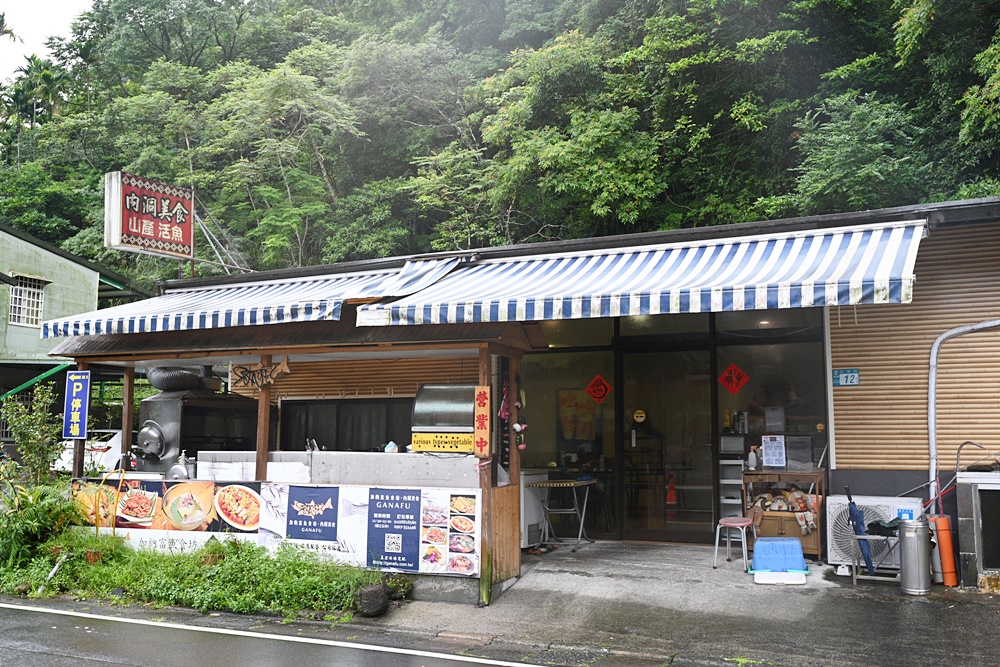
(44, 82)
(5, 30)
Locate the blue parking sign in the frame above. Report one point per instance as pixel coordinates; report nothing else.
(77, 405)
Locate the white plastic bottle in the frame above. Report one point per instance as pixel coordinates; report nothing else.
(752, 459)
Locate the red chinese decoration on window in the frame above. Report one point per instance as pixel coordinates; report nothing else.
(598, 389)
(733, 379)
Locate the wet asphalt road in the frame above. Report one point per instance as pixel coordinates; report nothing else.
(611, 604)
(35, 637)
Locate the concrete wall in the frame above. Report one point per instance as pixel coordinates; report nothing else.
(72, 289)
(335, 468)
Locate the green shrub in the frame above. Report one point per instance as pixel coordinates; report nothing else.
(230, 575)
(29, 516)
(35, 429)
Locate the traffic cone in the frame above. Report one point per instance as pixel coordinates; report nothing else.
(671, 498)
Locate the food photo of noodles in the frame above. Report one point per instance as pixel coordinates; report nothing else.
(239, 506)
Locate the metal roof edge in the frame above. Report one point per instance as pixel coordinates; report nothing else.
(356, 266)
(967, 211)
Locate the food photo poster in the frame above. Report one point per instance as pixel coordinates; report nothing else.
(432, 531)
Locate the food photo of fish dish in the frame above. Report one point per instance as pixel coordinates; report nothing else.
(459, 543)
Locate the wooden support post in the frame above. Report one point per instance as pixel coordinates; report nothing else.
(128, 404)
(263, 422)
(79, 444)
(486, 484)
(515, 415)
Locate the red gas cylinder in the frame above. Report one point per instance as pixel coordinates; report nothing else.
(942, 530)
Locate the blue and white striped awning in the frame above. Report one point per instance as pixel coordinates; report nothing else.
(271, 302)
(828, 267)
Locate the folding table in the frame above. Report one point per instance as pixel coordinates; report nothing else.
(580, 510)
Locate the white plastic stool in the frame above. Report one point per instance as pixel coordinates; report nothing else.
(729, 523)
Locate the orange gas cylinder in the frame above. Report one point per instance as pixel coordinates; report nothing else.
(942, 529)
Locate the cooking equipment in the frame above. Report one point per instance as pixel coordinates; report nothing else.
(192, 421)
(443, 418)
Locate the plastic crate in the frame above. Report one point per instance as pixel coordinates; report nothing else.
(778, 554)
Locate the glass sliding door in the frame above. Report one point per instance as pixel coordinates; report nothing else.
(666, 453)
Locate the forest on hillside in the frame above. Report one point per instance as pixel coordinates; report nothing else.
(317, 131)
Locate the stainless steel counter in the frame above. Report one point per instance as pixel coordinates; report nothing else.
(365, 468)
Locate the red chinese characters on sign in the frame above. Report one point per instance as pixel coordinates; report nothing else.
(733, 379)
(598, 389)
(156, 218)
(481, 423)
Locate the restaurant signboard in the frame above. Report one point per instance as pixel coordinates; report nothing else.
(147, 216)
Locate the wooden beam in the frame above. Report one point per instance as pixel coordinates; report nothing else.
(505, 351)
(263, 423)
(155, 355)
(128, 404)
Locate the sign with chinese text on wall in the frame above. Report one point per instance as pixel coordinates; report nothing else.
(420, 530)
(143, 215)
(312, 513)
(77, 405)
(481, 420)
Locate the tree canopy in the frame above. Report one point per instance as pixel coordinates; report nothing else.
(325, 130)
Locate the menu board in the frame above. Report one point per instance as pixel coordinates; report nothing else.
(433, 531)
(773, 451)
(393, 529)
(450, 522)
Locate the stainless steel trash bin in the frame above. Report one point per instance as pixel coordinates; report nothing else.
(915, 557)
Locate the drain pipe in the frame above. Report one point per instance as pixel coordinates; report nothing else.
(932, 399)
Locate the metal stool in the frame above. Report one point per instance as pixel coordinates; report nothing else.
(729, 523)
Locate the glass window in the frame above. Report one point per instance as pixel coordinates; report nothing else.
(770, 323)
(683, 326)
(578, 333)
(779, 389)
(26, 298)
(566, 425)
(355, 425)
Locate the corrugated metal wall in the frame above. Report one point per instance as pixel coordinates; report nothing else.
(882, 424)
(370, 377)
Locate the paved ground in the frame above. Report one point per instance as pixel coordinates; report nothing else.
(640, 604)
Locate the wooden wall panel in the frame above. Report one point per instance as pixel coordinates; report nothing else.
(882, 424)
(370, 378)
(505, 502)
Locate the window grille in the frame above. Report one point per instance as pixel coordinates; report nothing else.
(26, 301)
(24, 398)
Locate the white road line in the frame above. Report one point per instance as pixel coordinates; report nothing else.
(261, 635)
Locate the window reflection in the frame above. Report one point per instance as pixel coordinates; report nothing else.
(770, 323)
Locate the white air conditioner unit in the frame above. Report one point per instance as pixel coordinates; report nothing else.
(875, 508)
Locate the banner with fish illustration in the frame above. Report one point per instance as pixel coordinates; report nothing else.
(432, 531)
(312, 513)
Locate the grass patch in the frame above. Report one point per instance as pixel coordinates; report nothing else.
(223, 576)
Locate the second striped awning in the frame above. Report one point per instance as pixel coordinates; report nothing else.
(247, 304)
(826, 267)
